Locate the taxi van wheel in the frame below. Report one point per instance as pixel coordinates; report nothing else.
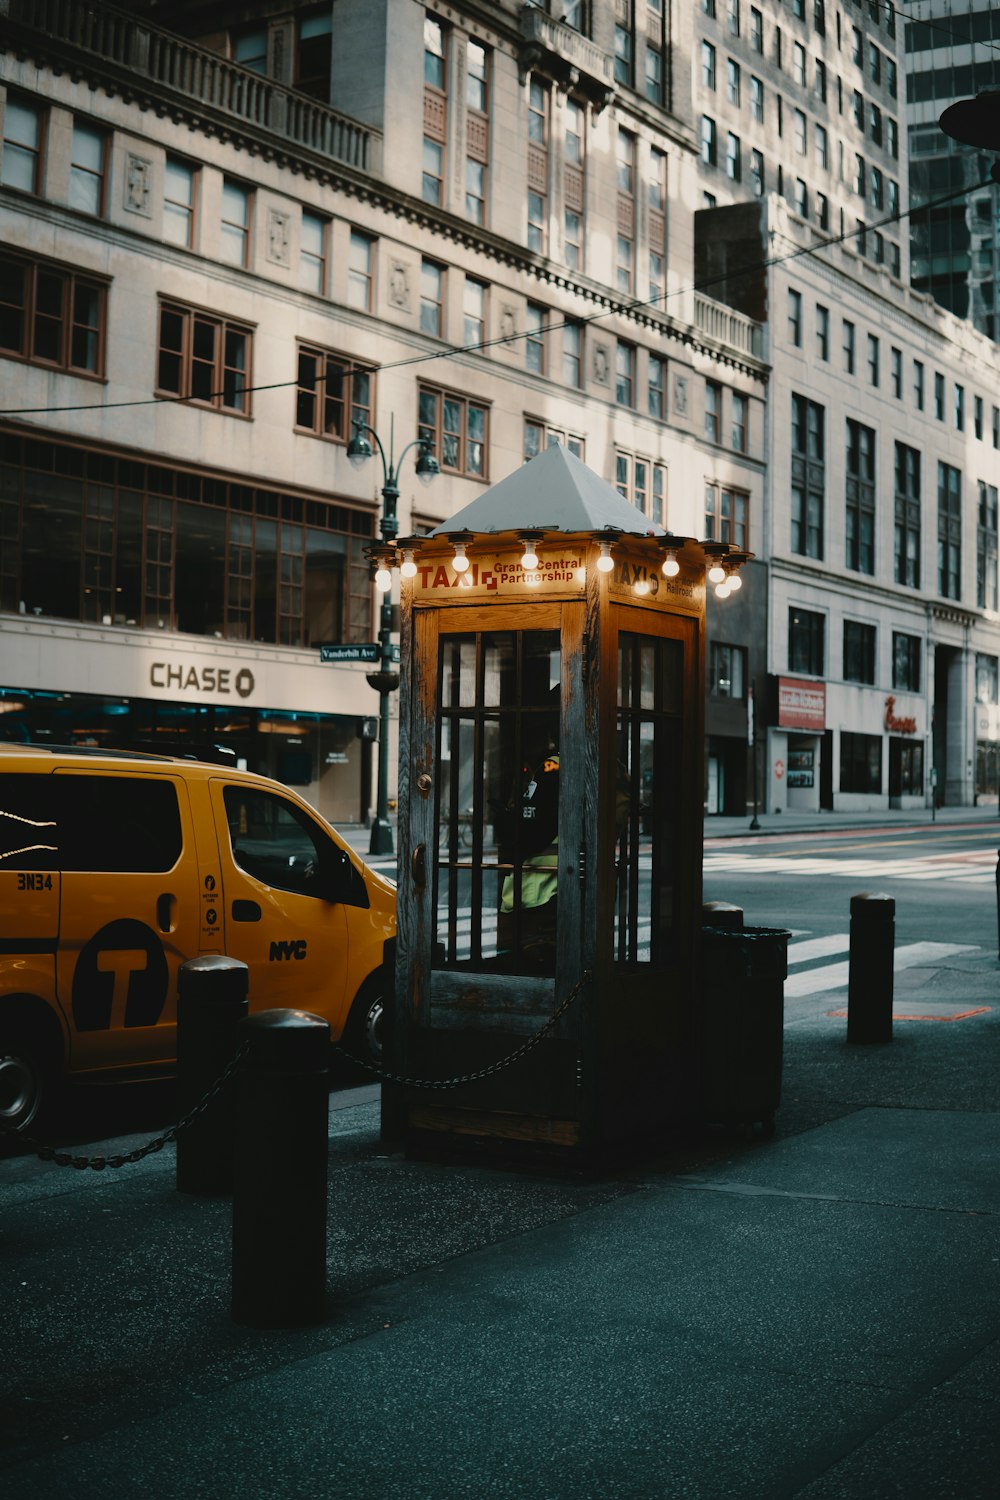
(26, 1084)
(364, 1035)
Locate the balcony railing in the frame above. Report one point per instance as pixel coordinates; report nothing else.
(159, 60)
(726, 326)
(571, 59)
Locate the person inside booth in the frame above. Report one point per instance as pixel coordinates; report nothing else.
(527, 923)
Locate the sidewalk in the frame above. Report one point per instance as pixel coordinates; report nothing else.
(816, 1316)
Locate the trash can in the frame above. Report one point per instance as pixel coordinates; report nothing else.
(743, 1017)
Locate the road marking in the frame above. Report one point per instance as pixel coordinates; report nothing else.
(836, 976)
(803, 953)
(963, 868)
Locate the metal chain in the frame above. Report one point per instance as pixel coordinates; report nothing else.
(98, 1163)
(487, 1072)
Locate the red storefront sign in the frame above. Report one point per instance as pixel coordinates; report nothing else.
(801, 705)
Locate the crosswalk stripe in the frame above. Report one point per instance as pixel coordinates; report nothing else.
(962, 870)
(836, 976)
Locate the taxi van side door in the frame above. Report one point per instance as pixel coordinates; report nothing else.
(284, 880)
(129, 912)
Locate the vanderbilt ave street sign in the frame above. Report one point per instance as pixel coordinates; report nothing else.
(370, 651)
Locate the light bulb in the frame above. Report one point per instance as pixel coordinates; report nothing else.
(530, 558)
(408, 568)
(671, 566)
(716, 573)
(642, 586)
(383, 579)
(460, 562)
(735, 583)
(581, 575)
(722, 589)
(605, 563)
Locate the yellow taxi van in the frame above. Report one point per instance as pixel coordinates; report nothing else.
(116, 868)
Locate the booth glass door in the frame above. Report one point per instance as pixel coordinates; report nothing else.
(495, 863)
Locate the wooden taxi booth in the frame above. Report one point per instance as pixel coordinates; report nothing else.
(550, 816)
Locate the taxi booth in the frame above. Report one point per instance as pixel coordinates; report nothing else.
(550, 817)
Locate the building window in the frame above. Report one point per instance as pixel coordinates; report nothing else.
(457, 427)
(757, 172)
(657, 223)
(859, 652)
(756, 30)
(808, 477)
(331, 394)
(713, 411)
(756, 100)
(234, 232)
(573, 185)
(476, 132)
(204, 359)
(50, 316)
(986, 547)
(708, 66)
(625, 374)
(473, 313)
(625, 43)
(800, 132)
(726, 670)
(657, 387)
(709, 141)
(823, 332)
(22, 145)
(88, 165)
(539, 435)
(995, 419)
(795, 317)
(959, 408)
(643, 484)
(360, 256)
(625, 243)
(250, 49)
(313, 252)
(733, 17)
(896, 372)
(939, 397)
(849, 347)
(987, 679)
(806, 642)
(860, 762)
(977, 416)
(572, 353)
(918, 385)
(734, 162)
(726, 515)
(179, 179)
(656, 71)
(873, 360)
(819, 86)
(432, 298)
(822, 211)
(740, 422)
(435, 111)
(820, 143)
(860, 498)
(907, 513)
(184, 549)
(313, 55)
(801, 198)
(949, 532)
(538, 165)
(733, 82)
(905, 662)
(534, 338)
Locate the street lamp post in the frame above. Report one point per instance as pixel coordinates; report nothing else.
(385, 681)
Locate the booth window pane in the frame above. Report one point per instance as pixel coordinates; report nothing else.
(499, 729)
(650, 677)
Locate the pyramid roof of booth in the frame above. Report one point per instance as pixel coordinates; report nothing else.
(553, 492)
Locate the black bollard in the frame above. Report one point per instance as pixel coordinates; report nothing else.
(211, 1003)
(869, 995)
(722, 914)
(279, 1182)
